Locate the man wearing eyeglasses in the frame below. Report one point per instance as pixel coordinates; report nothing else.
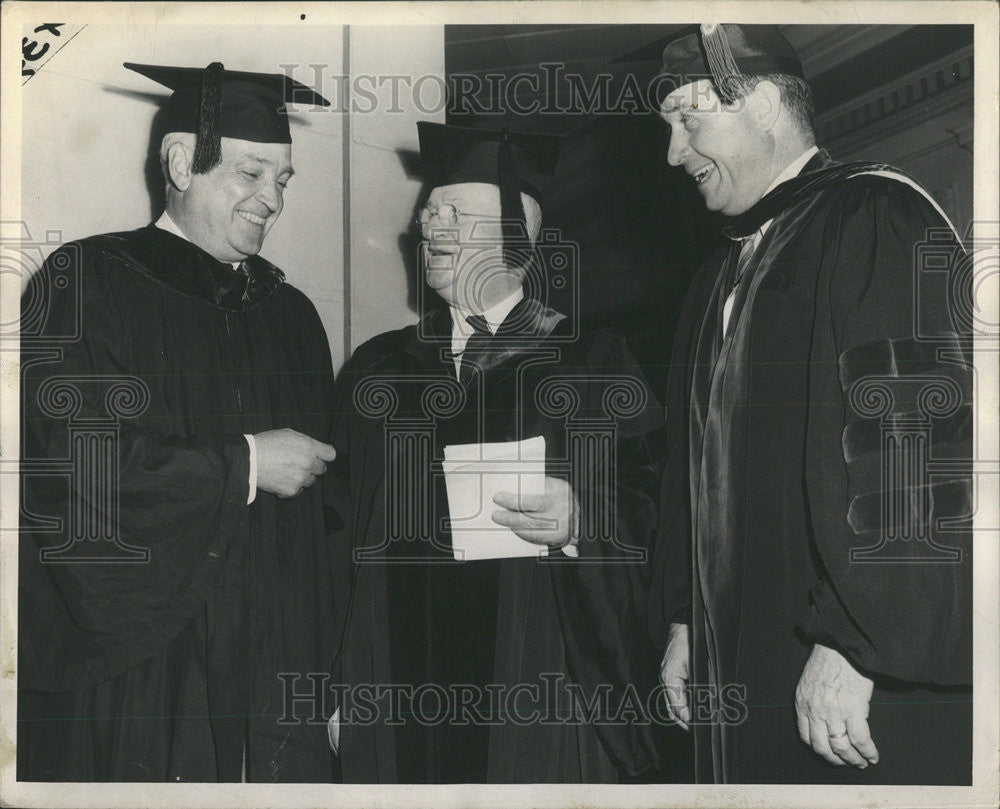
(470, 641)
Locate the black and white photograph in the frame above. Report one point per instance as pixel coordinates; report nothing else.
(500, 404)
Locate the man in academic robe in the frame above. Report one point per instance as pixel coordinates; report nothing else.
(181, 569)
(806, 561)
(463, 668)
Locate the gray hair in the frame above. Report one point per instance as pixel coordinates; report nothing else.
(186, 138)
(796, 95)
(532, 216)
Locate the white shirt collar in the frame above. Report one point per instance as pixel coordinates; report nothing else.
(169, 225)
(461, 330)
(165, 222)
(793, 168)
(495, 315)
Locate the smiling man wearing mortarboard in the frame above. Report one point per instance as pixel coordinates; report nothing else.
(167, 670)
(825, 582)
(485, 639)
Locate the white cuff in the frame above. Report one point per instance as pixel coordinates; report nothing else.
(333, 731)
(570, 548)
(253, 468)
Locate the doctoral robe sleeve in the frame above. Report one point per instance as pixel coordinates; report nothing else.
(670, 588)
(340, 499)
(602, 595)
(179, 498)
(342, 484)
(886, 347)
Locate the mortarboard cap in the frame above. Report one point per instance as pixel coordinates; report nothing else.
(720, 53)
(515, 162)
(216, 103)
(652, 51)
(459, 154)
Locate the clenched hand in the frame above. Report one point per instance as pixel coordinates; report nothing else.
(288, 461)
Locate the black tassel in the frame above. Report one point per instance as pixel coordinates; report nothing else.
(208, 147)
(513, 219)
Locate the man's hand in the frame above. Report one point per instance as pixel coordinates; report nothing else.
(545, 519)
(288, 461)
(674, 674)
(831, 705)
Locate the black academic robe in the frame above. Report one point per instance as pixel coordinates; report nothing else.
(846, 313)
(420, 620)
(152, 651)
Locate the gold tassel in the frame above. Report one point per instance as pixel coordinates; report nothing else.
(720, 58)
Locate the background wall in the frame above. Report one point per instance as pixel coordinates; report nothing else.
(920, 122)
(407, 65)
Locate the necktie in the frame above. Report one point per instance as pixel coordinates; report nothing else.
(478, 341)
(242, 270)
(746, 253)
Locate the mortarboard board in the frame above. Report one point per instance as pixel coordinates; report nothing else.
(652, 51)
(216, 103)
(721, 53)
(515, 162)
(459, 154)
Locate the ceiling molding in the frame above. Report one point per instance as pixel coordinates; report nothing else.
(933, 90)
(820, 47)
(838, 45)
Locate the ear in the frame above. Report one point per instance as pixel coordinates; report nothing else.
(179, 162)
(767, 105)
(532, 216)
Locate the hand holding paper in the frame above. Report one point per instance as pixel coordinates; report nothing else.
(545, 519)
(474, 473)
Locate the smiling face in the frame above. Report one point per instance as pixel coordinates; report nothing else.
(722, 147)
(229, 210)
(462, 250)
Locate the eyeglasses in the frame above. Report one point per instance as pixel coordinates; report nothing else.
(447, 216)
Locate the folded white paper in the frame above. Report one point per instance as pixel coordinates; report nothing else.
(473, 474)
